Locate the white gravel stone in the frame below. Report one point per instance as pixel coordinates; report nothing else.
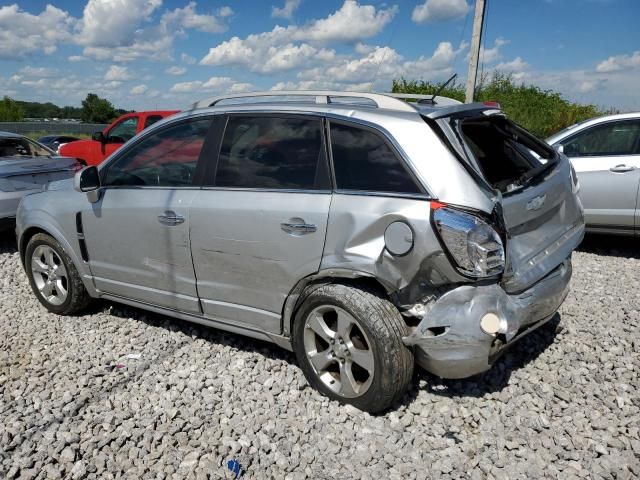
(561, 403)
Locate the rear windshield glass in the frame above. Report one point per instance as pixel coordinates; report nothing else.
(21, 147)
(505, 154)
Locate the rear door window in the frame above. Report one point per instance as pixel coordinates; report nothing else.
(363, 161)
(612, 138)
(273, 152)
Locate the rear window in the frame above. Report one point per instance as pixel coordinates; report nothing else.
(505, 154)
(22, 147)
(363, 161)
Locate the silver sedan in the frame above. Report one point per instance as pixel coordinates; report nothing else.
(605, 153)
(25, 167)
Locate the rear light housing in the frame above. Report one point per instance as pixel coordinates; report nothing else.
(473, 243)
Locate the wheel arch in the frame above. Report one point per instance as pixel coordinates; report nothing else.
(348, 277)
(30, 231)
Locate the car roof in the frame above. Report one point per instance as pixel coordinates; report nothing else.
(590, 122)
(368, 106)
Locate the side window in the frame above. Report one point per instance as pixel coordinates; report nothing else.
(272, 152)
(123, 131)
(166, 158)
(613, 138)
(151, 119)
(363, 161)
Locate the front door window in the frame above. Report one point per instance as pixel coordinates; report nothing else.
(123, 131)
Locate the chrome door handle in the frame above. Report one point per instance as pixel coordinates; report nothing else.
(622, 168)
(298, 229)
(170, 217)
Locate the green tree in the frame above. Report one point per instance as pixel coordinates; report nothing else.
(10, 111)
(96, 109)
(542, 112)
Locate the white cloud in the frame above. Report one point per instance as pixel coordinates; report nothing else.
(291, 56)
(350, 23)
(114, 23)
(127, 35)
(39, 72)
(290, 6)
(188, 59)
(188, 18)
(117, 73)
(217, 83)
(439, 10)
(322, 85)
(22, 33)
(112, 85)
(224, 12)
(186, 87)
(490, 55)
(379, 65)
(156, 48)
(439, 63)
(138, 89)
(175, 70)
(515, 65)
(589, 85)
(241, 88)
(619, 62)
(76, 58)
(214, 84)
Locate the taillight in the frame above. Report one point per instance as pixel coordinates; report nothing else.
(473, 243)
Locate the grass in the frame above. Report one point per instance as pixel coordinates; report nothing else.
(37, 135)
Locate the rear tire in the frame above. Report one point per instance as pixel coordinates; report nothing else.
(53, 276)
(348, 343)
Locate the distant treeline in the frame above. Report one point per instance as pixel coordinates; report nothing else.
(47, 110)
(50, 110)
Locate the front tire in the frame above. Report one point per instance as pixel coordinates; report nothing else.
(348, 343)
(53, 276)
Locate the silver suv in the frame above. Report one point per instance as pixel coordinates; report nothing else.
(361, 231)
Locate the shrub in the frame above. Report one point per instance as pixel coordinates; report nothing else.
(10, 111)
(542, 112)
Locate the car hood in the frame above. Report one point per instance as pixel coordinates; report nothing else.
(11, 166)
(66, 184)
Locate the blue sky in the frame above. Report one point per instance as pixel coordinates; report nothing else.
(147, 54)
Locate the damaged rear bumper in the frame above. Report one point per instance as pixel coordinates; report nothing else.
(449, 341)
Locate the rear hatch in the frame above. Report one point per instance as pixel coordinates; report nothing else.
(533, 186)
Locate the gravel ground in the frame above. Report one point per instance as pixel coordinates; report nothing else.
(120, 393)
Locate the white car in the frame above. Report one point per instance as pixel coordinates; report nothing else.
(605, 153)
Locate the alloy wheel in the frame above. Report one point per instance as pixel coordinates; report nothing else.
(49, 275)
(339, 351)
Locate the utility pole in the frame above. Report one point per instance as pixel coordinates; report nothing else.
(478, 22)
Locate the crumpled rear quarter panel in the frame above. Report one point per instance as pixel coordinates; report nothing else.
(355, 241)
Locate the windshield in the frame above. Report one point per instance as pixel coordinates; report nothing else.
(22, 147)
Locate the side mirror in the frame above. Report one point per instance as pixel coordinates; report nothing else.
(99, 137)
(88, 180)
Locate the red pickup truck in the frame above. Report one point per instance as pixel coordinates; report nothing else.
(104, 143)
